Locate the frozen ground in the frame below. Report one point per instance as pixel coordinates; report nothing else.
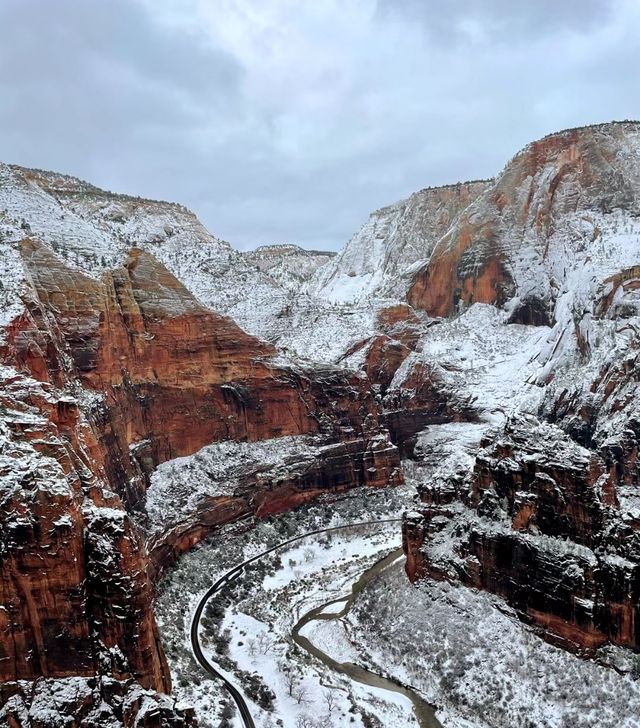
(269, 601)
(468, 653)
(178, 485)
(464, 651)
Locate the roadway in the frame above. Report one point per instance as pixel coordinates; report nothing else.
(234, 573)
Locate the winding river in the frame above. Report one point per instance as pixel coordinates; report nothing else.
(424, 713)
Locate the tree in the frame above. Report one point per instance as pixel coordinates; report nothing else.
(329, 698)
(301, 695)
(304, 721)
(309, 554)
(265, 644)
(290, 682)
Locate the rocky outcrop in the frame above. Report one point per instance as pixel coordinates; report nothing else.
(175, 375)
(543, 482)
(263, 489)
(74, 588)
(544, 531)
(502, 249)
(378, 257)
(414, 391)
(289, 265)
(88, 703)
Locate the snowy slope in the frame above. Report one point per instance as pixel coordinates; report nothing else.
(394, 238)
(93, 229)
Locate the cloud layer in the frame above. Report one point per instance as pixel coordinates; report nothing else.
(282, 121)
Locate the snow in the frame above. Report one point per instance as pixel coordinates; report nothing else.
(464, 651)
(485, 358)
(468, 653)
(306, 584)
(178, 486)
(312, 572)
(395, 239)
(92, 230)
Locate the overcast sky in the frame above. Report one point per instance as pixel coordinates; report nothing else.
(290, 120)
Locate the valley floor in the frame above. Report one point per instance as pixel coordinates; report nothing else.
(461, 650)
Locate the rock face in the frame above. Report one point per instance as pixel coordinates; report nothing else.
(290, 265)
(160, 376)
(175, 375)
(269, 478)
(504, 245)
(74, 587)
(544, 509)
(545, 532)
(84, 702)
(395, 238)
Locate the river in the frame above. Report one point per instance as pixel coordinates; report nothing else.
(424, 713)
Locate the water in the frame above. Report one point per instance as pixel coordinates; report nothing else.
(424, 713)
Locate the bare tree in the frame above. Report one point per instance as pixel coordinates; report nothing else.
(265, 643)
(329, 698)
(290, 682)
(301, 695)
(304, 721)
(309, 554)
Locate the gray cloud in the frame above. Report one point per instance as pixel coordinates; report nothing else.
(502, 20)
(280, 121)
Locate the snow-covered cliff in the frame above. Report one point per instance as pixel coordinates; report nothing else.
(378, 258)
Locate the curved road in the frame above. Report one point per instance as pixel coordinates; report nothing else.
(233, 574)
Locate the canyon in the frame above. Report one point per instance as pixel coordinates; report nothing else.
(158, 385)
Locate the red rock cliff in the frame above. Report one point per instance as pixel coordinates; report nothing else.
(74, 587)
(175, 375)
(487, 254)
(163, 376)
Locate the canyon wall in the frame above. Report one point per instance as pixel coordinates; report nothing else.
(74, 584)
(545, 510)
(157, 376)
(546, 528)
(520, 320)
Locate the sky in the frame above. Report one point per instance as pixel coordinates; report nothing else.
(289, 121)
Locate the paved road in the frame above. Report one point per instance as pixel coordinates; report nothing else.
(233, 574)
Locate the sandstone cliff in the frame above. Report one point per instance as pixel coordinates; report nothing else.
(537, 284)
(511, 244)
(379, 256)
(158, 376)
(509, 374)
(74, 586)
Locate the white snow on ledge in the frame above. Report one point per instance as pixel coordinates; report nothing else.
(178, 485)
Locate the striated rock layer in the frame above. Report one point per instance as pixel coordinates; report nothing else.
(503, 246)
(544, 510)
(263, 490)
(175, 375)
(545, 529)
(74, 587)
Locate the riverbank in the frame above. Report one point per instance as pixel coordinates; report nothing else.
(335, 611)
(270, 602)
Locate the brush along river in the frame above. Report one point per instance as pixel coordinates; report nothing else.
(424, 713)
